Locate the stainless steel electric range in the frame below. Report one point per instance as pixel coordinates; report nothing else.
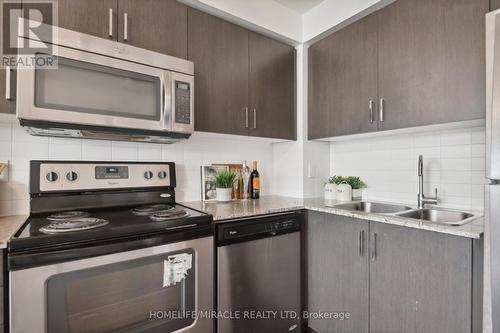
(107, 249)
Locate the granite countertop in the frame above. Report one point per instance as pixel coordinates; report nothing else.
(9, 225)
(246, 208)
(223, 212)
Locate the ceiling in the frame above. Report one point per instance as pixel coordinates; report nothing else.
(300, 6)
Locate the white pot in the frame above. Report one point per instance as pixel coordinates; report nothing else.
(330, 191)
(357, 194)
(344, 192)
(224, 194)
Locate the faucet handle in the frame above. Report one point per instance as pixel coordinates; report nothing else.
(436, 192)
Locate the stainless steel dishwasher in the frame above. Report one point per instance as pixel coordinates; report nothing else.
(259, 274)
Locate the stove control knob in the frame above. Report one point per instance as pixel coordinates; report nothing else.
(162, 174)
(52, 176)
(148, 174)
(71, 176)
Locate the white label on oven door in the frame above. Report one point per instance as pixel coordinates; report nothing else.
(175, 268)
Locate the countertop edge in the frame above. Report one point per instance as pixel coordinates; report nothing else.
(404, 222)
(232, 211)
(9, 225)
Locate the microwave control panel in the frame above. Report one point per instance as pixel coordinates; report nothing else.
(182, 102)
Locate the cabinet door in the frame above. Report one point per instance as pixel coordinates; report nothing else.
(272, 86)
(337, 271)
(343, 81)
(494, 4)
(7, 98)
(431, 61)
(157, 25)
(90, 16)
(420, 281)
(220, 52)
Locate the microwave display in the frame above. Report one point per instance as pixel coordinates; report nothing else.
(182, 102)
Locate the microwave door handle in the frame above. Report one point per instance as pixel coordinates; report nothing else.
(162, 100)
(167, 100)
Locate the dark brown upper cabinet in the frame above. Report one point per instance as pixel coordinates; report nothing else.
(157, 25)
(272, 87)
(94, 17)
(244, 82)
(431, 62)
(427, 58)
(494, 4)
(219, 51)
(343, 81)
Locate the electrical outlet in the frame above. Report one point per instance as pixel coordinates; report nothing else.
(4, 171)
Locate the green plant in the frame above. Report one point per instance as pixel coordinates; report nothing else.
(355, 182)
(335, 180)
(225, 179)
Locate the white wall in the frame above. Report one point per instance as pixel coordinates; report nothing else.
(331, 13)
(300, 167)
(272, 18)
(19, 147)
(454, 162)
(265, 16)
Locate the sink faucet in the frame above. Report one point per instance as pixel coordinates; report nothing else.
(422, 200)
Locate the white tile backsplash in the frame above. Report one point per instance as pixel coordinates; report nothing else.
(454, 162)
(19, 147)
(95, 150)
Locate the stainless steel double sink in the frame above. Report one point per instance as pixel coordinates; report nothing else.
(431, 215)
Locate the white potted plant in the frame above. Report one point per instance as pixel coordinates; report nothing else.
(331, 188)
(224, 181)
(357, 186)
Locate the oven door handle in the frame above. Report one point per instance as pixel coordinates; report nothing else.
(105, 252)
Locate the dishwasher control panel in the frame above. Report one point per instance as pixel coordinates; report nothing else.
(267, 226)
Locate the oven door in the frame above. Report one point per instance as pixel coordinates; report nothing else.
(95, 90)
(156, 289)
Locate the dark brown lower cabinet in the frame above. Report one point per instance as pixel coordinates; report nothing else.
(420, 281)
(337, 271)
(394, 280)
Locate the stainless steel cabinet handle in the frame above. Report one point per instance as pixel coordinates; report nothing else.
(374, 247)
(254, 118)
(8, 70)
(361, 242)
(246, 117)
(370, 107)
(110, 20)
(382, 111)
(125, 26)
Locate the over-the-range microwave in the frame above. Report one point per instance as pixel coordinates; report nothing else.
(102, 89)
